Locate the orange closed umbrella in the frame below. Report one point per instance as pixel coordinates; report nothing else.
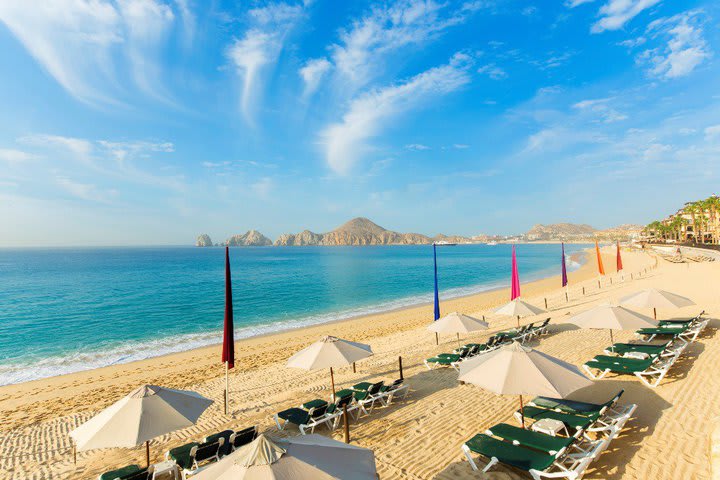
(601, 270)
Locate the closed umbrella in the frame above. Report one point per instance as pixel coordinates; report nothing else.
(145, 413)
(518, 370)
(653, 298)
(518, 308)
(612, 318)
(305, 457)
(457, 323)
(329, 352)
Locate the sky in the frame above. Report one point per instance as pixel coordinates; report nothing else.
(142, 122)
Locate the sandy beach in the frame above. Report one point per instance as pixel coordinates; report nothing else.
(419, 437)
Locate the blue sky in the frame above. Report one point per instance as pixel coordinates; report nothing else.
(151, 121)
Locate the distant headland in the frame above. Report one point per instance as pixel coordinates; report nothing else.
(362, 231)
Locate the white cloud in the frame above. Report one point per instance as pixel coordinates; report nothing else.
(460, 146)
(576, 3)
(89, 46)
(712, 133)
(263, 187)
(493, 71)
(616, 13)
(633, 42)
(417, 147)
(529, 11)
(79, 147)
(312, 73)
(84, 191)
(261, 46)
(367, 114)
(686, 48)
(600, 107)
(13, 156)
(360, 55)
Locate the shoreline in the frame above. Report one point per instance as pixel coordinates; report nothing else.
(272, 328)
(202, 362)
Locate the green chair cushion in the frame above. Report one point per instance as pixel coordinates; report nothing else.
(572, 421)
(181, 455)
(509, 454)
(529, 438)
(120, 472)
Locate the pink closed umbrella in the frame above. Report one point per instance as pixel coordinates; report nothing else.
(515, 283)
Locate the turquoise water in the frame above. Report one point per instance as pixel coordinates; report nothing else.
(71, 309)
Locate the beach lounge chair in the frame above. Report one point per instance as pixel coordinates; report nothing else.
(684, 332)
(568, 462)
(306, 417)
(242, 437)
(334, 412)
(191, 456)
(529, 438)
(572, 406)
(666, 349)
(366, 394)
(397, 389)
(226, 447)
(446, 359)
(130, 472)
(650, 370)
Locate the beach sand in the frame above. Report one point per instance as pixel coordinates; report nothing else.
(416, 438)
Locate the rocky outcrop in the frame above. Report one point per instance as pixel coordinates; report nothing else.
(452, 239)
(559, 231)
(251, 238)
(203, 241)
(358, 231)
(306, 237)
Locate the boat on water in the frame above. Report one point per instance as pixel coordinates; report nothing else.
(445, 243)
(491, 243)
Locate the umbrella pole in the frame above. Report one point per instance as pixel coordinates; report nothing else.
(400, 367)
(347, 423)
(458, 339)
(227, 388)
(518, 321)
(612, 342)
(522, 413)
(147, 452)
(332, 381)
(437, 340)
(74, 454)
(655, 313)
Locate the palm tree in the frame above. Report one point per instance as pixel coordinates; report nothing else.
(713, 206)
(692, 209)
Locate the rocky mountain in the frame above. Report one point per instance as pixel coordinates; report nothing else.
(204, 241)
(251, 238)
(358, 231)
(621, 232)
(559, 231)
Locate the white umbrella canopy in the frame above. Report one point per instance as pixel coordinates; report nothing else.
(653, 298)
(329, 352)
(457, 323)
(518, 308)
(145, 413)
(305, 457)
(612, 318)
(518, 370)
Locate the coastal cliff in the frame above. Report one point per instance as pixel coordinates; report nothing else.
(203, 241)
(251, 238)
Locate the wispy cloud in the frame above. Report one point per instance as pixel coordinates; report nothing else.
(712, 133)
(84, 191)
(363, 48)
(418, 147)
(12, 156)
(601, 109)
(260, 46)
(312, 73)
(576, 3)
(616, 13)
(685, 50)
(367, 114)
(493, 71)
(87, 46)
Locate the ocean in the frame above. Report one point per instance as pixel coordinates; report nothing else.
(64, 310)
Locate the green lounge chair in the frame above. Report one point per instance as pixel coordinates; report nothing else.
(446, 359)
(539, 465)
(650, 371)
(181, 455)
(226, 447)
(304, 419)
(576, 422)
(125, 473)
(573, 407)
(528, 438)
(242, 437)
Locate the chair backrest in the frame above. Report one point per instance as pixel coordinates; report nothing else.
(319, 411)
(491, 341)
(225, 435)
(545, 323)
(121, 473)
(375, 388)
(144, 474)
(244, 436)
(182, 455)
(206, 451)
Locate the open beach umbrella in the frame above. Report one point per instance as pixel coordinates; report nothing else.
(653, 298)
(457, 323)
(145, 413)
(518, 370)
(305, 457)
(612, 318)
(518, 308)
(329, 352)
